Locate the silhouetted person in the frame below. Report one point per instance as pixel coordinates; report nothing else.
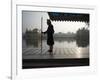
(50, 32)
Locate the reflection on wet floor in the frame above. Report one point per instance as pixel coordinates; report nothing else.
(57, 53)
(61, 50)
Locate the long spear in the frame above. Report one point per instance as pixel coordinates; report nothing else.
(41, 32)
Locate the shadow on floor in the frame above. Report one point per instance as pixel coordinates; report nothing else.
(47, 63)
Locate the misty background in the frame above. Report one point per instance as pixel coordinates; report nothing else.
(31, 20)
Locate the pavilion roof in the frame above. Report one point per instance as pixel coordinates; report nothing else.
(58, 16)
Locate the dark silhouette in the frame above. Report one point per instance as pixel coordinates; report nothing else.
(50, 32)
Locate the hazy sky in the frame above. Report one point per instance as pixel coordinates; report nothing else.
(31, 20)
